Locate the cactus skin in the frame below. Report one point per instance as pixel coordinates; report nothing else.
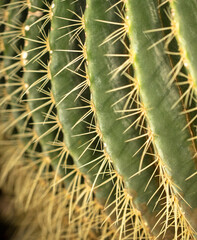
(168, 133)
(39, 102)
(99, 68)
(105, 180)
(88, 162)
(185, 21)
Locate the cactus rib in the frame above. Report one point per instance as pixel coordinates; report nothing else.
(104, 97)
(167, 131)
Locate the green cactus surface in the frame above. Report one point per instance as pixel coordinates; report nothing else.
(98, 118)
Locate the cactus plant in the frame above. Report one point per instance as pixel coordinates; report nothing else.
(98, 117)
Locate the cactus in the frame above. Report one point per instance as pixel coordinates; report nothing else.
(98, 118)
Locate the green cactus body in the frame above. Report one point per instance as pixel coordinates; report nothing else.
(121, 152)
(184, 32)
(40, 100)
(165, 123)
(98, 105)
(60, 86)
(63, 83)
(35, 58)
(180, 74)
(185, 20)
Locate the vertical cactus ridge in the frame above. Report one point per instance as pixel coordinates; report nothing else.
(72, 112)
(122, 152)
(40, 100)
(185, 36)
(77, 145)
(182, 70)
(180, 73)
(35, 73)
(118, 202)
(184, 21)
(166, 124)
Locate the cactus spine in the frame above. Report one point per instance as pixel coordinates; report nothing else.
(100, 99)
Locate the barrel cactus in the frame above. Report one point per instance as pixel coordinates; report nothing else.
(98, 118)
